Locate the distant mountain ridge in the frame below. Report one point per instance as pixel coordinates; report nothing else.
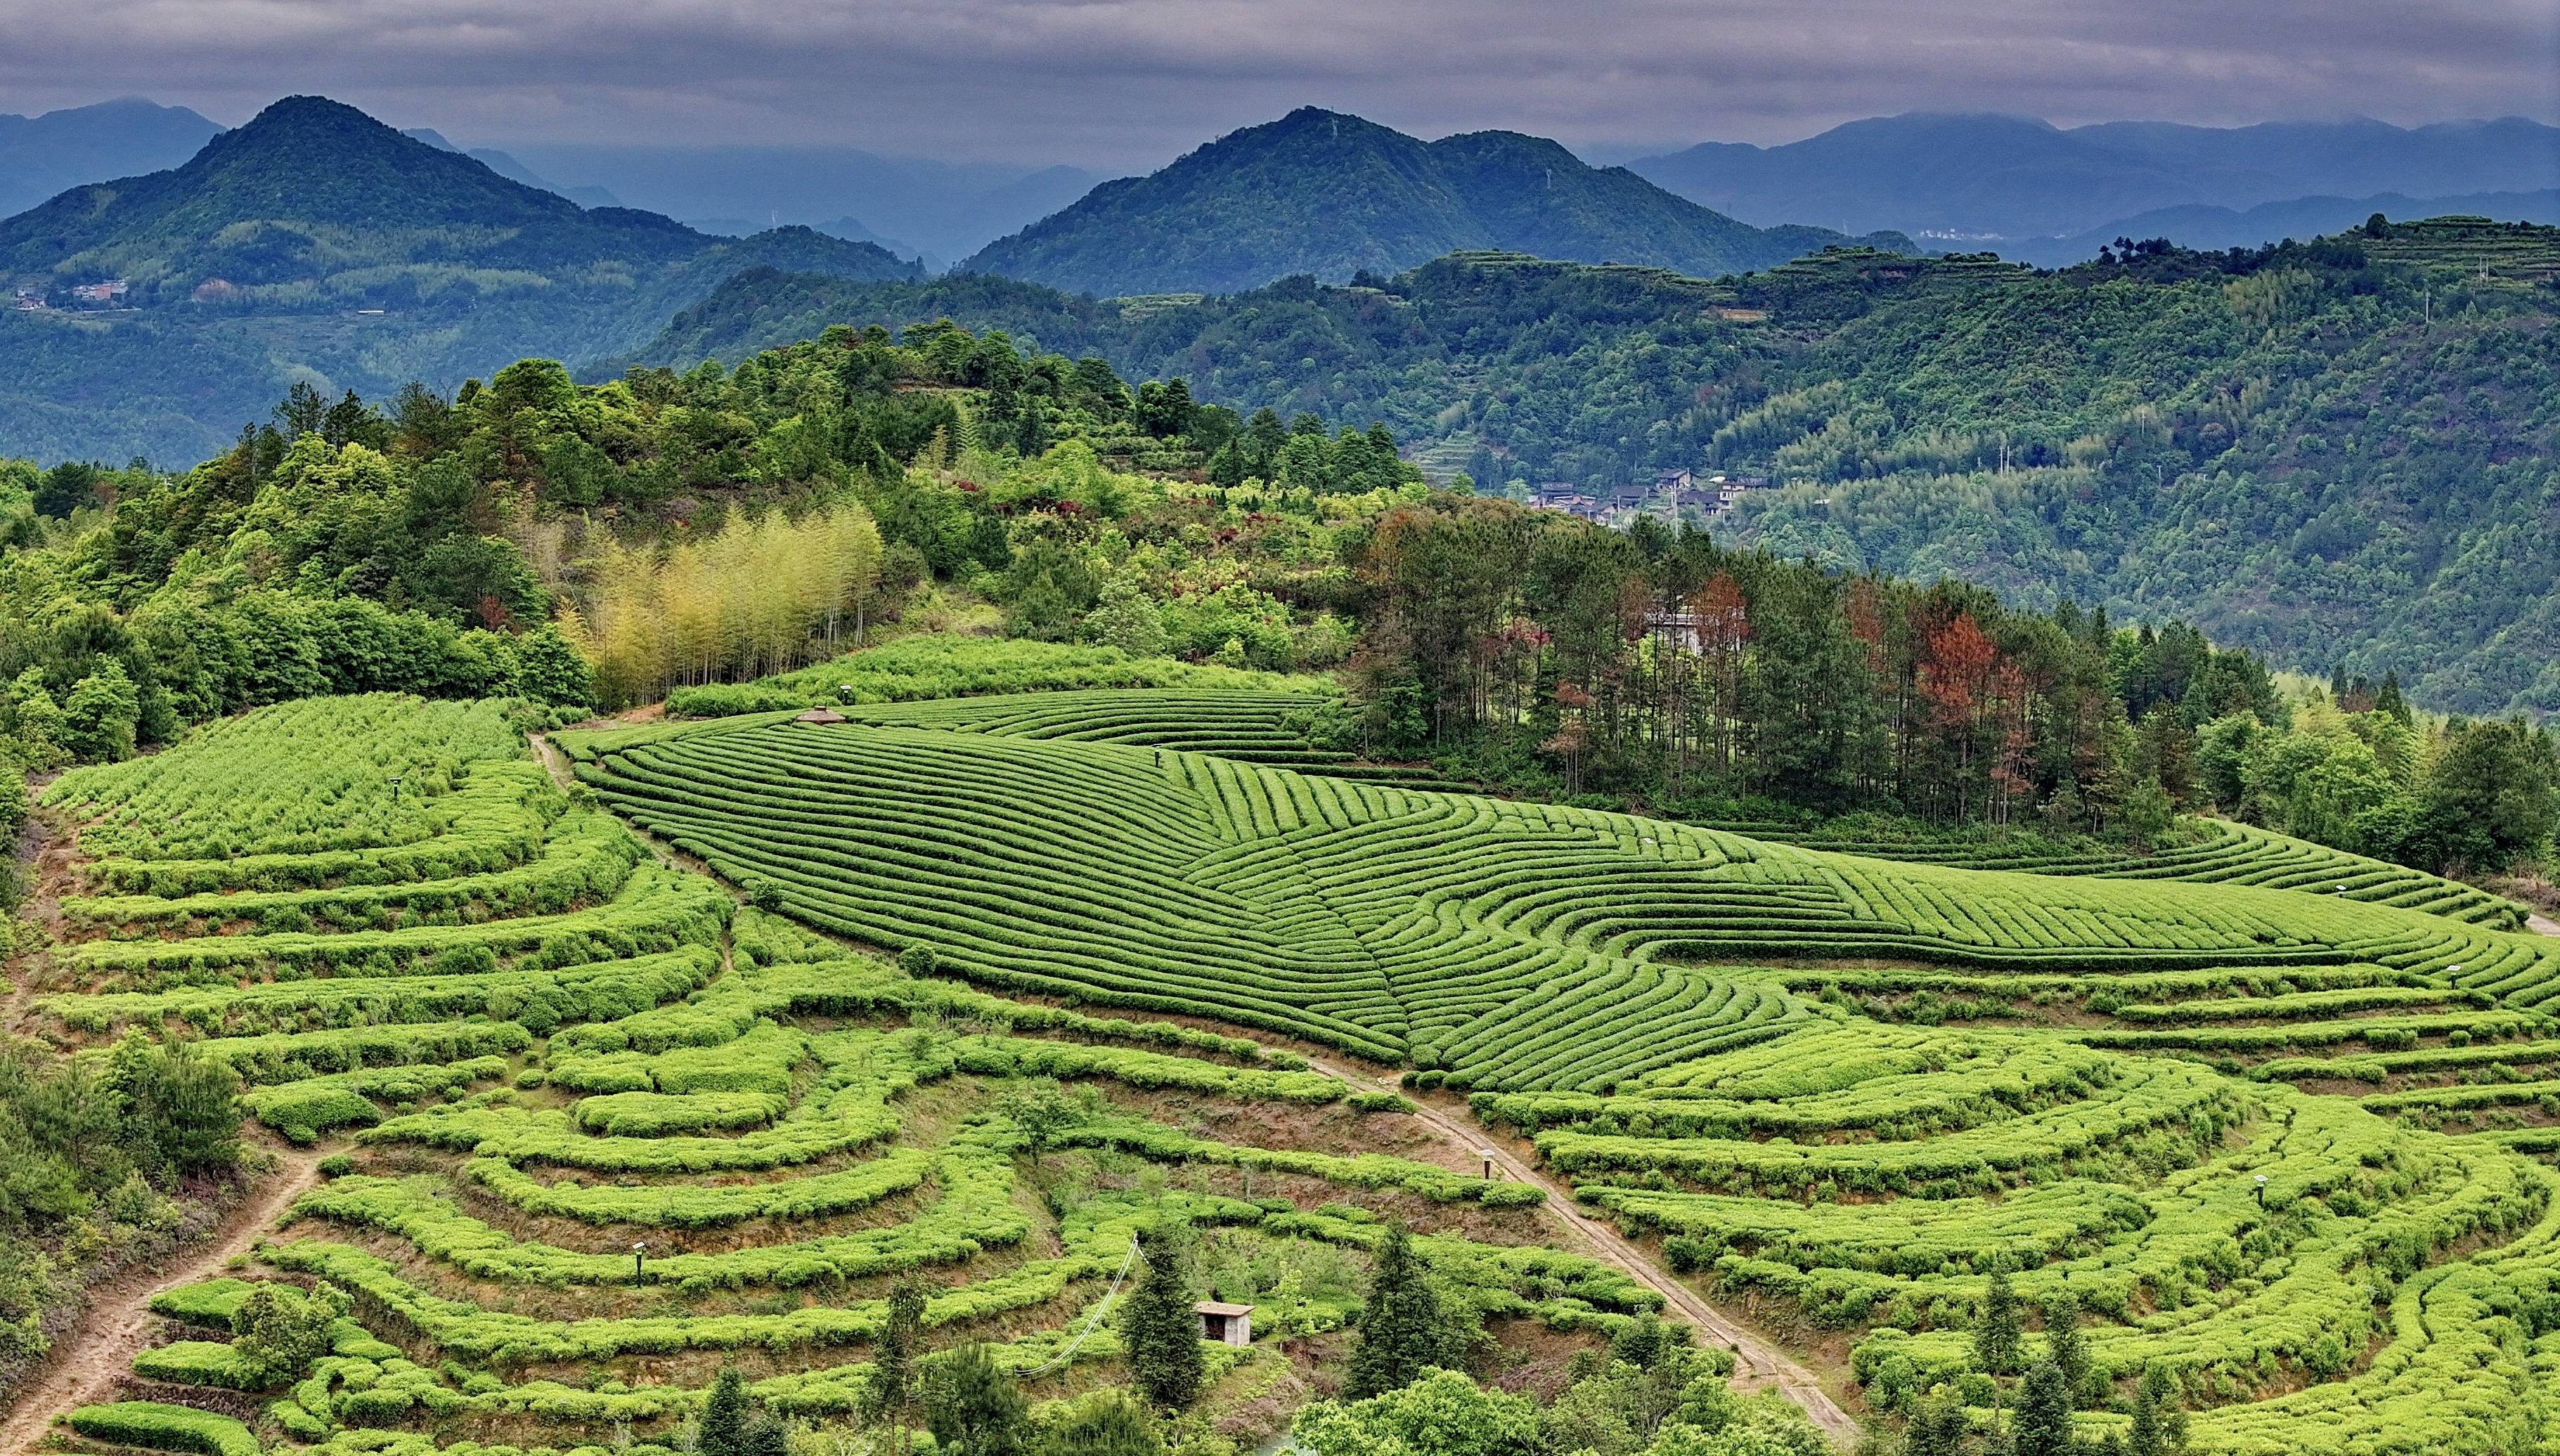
(1977, 176)
(514, 170)
(2201, 226)
(943, 209)
(1331, 194)
(44, 155)
(316, 242)
(2385, 505)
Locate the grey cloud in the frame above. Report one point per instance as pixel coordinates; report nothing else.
(1128, 83)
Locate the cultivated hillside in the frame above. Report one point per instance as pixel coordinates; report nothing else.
(1329, 195)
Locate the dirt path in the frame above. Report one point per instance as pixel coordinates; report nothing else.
(553, 761)
(88, 1360)
(2542, 925)
(1755, 1362)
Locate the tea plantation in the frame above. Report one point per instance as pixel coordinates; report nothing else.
(1835, 1088)
(592, 1125)
(594, 1132)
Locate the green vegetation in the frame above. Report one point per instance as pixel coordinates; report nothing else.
(933, 668)
(157, 1427)
(880, 833)
(596, 1132)
(316, 243)
(1337, 197)
(1848, 1150)
(1911, 1015)
(2332, 452)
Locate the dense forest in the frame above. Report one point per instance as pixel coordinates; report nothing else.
(598, 545)
(2337, 453)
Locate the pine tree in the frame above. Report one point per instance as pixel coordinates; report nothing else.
(2063, 1344)
(2043, 1425)
(1938, 1429)
(1158, 1327)
(2390, 701)
(973, 1407)
(1403, 1331)
(890, 1390)
(2159, 1429)
(723, 1427)
(1996, 1331)
(766, 1435)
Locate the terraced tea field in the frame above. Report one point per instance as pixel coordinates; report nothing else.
(594, 1129)
(1836, 1088)
(594, 1132)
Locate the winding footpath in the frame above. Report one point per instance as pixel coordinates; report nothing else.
(89, 1358)
(1756, 1363)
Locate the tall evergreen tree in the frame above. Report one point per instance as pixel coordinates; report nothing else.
(2063, 1344)
(723, 1427)
(1160, 1329)
(2043, 1426)
(1996, 1328)
(2159, 1429)
(973, 1407)
(2390, 700)
(1403, 1329)
(768, 1434)
(890, 1392)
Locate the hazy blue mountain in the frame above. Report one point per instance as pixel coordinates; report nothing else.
(947, 210)
(41, 155)
(1331, 194)
(316, 242)
(514, 170)
(1966, 178)
(853, 229)
(2199, 226)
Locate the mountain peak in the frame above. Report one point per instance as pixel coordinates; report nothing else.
(314, 115)
(1330, 194)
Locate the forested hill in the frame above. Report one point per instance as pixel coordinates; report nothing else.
(1329, 195)
(2339, 453)
(317, 242)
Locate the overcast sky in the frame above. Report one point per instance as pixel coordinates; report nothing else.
(1129, 84)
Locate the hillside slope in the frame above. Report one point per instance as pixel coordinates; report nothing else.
(2338, 453)
(41, 155)
(316, 241)
(1320, 193)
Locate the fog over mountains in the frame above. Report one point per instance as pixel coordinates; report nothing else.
(2047, 195)
(2031, 191)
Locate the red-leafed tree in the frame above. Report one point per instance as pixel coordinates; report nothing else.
(1957, 677)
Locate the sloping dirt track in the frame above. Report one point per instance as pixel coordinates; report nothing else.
(86, 1362)
(1756, 1363)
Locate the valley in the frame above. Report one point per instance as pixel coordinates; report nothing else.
(1375, 791)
